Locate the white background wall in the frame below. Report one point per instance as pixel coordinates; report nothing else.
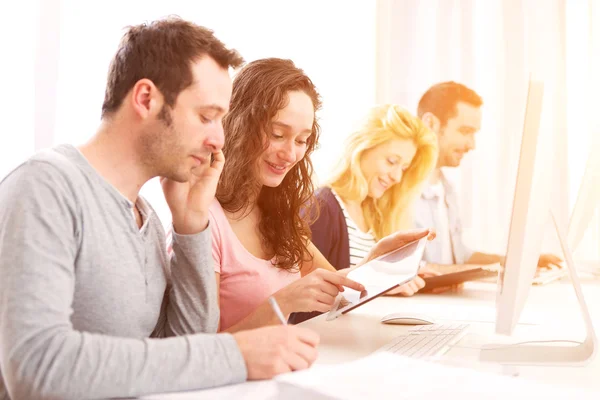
(55, 55)
(79, 39)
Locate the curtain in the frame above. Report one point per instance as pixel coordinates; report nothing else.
(494, 46)
(357, 53)
(18, 37)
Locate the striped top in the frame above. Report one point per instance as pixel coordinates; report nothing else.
(360, 242)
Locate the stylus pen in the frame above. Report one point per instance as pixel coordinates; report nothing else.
(277, 310)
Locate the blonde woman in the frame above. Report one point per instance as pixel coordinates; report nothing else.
(371, 193)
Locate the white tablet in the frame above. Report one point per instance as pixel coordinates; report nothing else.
(379, 276)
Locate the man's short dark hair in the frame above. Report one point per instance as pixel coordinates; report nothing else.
(162, 51)
(441, 100)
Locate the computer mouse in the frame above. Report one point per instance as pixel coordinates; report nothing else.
(407, 319)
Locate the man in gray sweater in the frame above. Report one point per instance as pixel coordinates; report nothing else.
(84, 275)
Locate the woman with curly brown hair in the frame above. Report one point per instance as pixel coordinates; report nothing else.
(260, 241)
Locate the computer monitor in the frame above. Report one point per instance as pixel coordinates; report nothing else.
(530, 219)
(524, 239)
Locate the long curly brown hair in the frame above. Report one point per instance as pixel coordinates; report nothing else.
(259, 91)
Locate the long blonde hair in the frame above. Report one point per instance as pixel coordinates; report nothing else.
(393, 211)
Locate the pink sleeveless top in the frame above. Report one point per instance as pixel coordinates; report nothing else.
(246, 280)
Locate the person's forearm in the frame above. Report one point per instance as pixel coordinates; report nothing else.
(93, 366)
(43, 357)
(448, 268)
(483, 258)
(192, 305)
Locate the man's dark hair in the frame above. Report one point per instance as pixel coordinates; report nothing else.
(441, 100)
(162, 51)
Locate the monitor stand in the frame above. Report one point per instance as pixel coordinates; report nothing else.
(546, 355)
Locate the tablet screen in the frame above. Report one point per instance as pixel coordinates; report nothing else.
(380, 275)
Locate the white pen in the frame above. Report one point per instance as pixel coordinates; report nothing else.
(277, 310)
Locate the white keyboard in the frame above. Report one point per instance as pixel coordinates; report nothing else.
(427, 340)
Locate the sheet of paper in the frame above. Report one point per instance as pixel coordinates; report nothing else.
(256, 390)
(387, 376)
(243, 391)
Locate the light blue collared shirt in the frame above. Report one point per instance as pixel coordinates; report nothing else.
(427, 217)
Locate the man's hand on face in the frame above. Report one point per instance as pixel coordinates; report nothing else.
(189, 201)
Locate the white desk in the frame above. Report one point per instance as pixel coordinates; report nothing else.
(552, 312)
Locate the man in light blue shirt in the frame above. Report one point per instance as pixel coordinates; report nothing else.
(438, 207)
(453, 112)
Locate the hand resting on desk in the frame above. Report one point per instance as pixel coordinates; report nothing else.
(547, 261)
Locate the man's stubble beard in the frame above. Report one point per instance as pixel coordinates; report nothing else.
(161, 150)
